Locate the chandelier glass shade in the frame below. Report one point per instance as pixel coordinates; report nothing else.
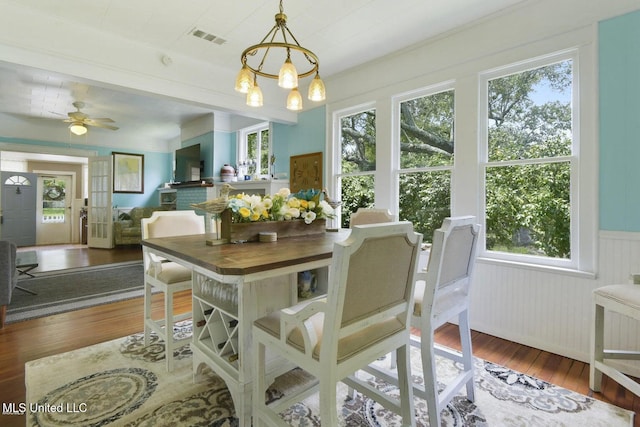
(77, 128)
(288, 75)
(254, 95)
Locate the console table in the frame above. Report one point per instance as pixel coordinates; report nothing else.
(235, 284)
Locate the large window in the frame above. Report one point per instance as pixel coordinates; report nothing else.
(355, 177)
(254, 151)
(528, 160)
(426, 150)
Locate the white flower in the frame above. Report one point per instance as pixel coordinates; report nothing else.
(284, 193)
(309, 216)
(255, 200)
(327, 210)
(291, 213)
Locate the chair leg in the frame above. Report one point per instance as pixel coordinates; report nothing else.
(467, 352)
(597, 348)
(147, 313)
(168, 329)
(430, 379)
(405, 385)
(328, 397)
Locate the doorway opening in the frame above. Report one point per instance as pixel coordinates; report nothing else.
(60, 188)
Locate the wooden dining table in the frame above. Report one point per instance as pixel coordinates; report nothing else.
(235, 284)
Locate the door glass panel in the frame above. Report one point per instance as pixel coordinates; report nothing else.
(53, 201)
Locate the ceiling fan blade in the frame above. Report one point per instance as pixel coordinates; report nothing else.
(77, 115)
(90, 122)
(102, 119)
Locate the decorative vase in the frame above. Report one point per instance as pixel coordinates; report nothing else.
(227, 172)
(249, 231)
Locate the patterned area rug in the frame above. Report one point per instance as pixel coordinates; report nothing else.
(122, 383)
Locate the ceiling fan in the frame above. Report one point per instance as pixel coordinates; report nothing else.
(79, 121)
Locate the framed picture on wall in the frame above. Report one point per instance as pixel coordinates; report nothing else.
(306, 172)
(128, 173)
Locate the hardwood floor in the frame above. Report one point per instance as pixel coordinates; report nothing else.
(61, 257)
(33, 339)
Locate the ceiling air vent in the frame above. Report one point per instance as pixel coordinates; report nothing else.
(208, 36)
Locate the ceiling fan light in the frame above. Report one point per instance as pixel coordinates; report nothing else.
(288, 76)
(244, 80)
(254, 96)
(77, 129)
(294, 100)
(316, 89)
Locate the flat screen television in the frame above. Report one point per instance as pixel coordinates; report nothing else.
(188, 165)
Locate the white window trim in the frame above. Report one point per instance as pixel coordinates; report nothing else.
(583, 218)
(242, 146)
(395, 123)
(334, 168)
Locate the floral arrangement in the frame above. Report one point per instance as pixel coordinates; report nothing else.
(282, 206)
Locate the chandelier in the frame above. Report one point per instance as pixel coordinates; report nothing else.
(247, 79)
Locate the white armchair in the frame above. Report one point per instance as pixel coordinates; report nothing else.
(333, 337)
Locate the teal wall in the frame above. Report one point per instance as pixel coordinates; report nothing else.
(309, 135)
(619, 93)
(157, 170)
(216, 149)
(157, 167)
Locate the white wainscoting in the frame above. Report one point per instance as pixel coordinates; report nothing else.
(553, 311)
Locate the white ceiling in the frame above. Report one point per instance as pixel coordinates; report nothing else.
(55, 47)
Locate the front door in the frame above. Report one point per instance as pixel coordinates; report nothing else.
(55, 194)
(18, 207)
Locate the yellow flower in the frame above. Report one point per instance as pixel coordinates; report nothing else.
(265, 214)
(255, 216)
(293, 202)
(244, 212)
(304, 204)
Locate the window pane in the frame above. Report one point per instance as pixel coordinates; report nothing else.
(425, 200)
(358, 139)
(528, 209)
(264, 152)
(426, 131)
(530, 113)
(357, 192)
(53, 201)
(252, 146)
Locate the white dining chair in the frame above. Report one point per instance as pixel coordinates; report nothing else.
(441, 295)
(623, 299)
(364, 316)
(370, 216)
(167, 276)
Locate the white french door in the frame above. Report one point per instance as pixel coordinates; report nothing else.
(100, 220)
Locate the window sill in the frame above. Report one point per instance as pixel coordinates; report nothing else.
(539, 267)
